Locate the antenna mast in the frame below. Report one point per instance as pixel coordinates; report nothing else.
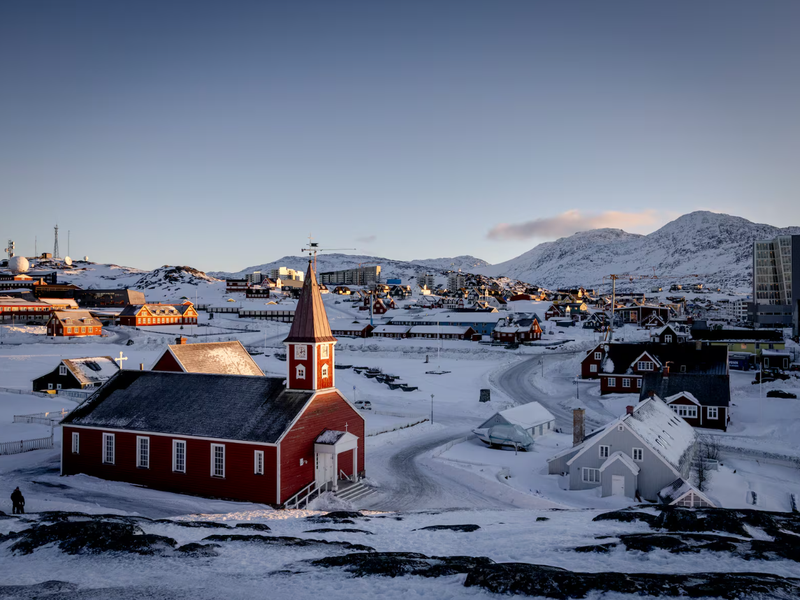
(55, 245)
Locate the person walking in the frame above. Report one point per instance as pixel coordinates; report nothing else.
(18, 500)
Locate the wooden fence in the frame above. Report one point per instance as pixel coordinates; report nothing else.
(26, 445)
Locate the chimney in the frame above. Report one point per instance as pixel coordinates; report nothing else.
(629, 410)
(181, 341)
(141, 366)
(578, 426)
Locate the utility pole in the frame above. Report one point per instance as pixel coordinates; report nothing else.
(613, 305)
(431, 409)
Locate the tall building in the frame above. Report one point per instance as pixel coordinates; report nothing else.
(427, 280)
(359, 276)
(775, 300)
(285, 273)
(456, 280)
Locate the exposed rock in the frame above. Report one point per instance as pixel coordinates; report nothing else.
(254, 526)
(396, 564)
(599, 548)
(627, 516)
(199, 550)
(37, 590)
(463, 528)
(196, 524)
(553, 582)
(337, 516)
(540, 519)
(346, 530)
(91, 537)
(60, 516)
(285, 541)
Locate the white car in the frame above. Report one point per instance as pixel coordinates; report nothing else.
(363, 405)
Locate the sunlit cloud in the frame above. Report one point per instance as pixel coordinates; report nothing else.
(573, 221)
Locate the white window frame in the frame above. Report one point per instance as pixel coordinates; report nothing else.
(638, 383)
(58, 386)
(685, 411)
(142, 458)
(62, 370)
(324, 372)
(598, 356)
(668, 339)
(76, 442)
(214, 472)
(175, 445)
(109, 442)
(300, 352)
(324, 351)
(592, 368)
(626, 382)
(300, 372)
(638, 454)
(645, 365)
(590, 475)
(258, 462)
(712, 412)
(612, 381)
(49, 386)
(604, 451)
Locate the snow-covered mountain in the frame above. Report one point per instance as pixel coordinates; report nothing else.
(405, 270)
(716, 247)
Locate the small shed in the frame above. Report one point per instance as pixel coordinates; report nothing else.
(532, 417)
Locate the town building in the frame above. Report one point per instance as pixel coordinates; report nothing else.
(239, 285)
(137, 315)
(286, 274)
(741, 340)
(427, 281)
(438, 332)
(222, 358)
(77, 373)
(108, 297)
(775, 301)
(637, 455)
(532, 417)
(355, 330)
(73, 323)
(281, 438)
(456, 280)
(21, 311)
(482, 322)
(702, 399)
(358, 276)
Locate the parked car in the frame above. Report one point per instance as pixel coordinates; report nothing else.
(780, 394)
(363, 405)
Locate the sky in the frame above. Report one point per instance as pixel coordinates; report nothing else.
(224, 134)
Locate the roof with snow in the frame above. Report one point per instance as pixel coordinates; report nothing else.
(92, 369)
(390, 329)
(708, 359)
(223, 358)
(624, 459)
(310, 322)
(679, 488)
(439, 329)
(525, 415)
(708, 390)
(76, 317)
(225, 407)
(663, 431)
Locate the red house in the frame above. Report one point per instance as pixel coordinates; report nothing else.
(136, 315)
(73, 323)
(248, 438)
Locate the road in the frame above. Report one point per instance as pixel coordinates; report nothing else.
(413, 481)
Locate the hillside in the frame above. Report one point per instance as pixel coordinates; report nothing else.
(405, 270)
(717, 247)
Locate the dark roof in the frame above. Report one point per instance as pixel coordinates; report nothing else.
(719, 335)
(708, 359)
(223, 358)
(310, 322)
(709, 390)
(225, 407)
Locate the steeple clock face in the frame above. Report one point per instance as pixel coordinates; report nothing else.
(300, 352)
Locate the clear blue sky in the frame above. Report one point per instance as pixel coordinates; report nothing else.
(222, 134)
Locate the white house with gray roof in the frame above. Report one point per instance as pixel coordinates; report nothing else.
(641, 453)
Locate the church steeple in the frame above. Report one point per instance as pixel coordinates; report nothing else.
(309, 346)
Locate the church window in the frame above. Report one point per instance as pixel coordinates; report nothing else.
(301, 372)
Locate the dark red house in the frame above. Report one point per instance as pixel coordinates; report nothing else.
(249, 438)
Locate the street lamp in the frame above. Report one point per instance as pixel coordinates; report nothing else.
(431, 409)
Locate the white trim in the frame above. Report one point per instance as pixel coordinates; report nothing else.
(624, 459)
(686, 395)
(139, 439)
(716, 412)
(314, 366)
(256, 455)
(600, 450)
(175, 443)
(106, 437)
(172, 435)
(633, 454)
(696, 492)
(652, 359)
(213, 460)
(76, 442)
(589, 480)
(61, 458)
(278, 476)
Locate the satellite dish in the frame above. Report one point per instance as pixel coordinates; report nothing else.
(67, 260)
(86, 259)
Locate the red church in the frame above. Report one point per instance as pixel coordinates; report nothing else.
(240, 437)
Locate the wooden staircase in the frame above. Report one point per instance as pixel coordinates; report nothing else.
(352, 491)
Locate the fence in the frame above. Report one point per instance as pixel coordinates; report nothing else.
(46, 418)
(26, 445)
(9, 390)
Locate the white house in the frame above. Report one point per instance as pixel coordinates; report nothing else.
(532, 417)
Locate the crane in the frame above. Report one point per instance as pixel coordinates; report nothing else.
(313, 248)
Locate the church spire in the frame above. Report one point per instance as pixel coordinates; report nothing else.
(310, 319)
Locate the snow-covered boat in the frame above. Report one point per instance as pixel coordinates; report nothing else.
(505, 436)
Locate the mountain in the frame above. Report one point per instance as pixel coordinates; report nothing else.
(407, 271)
(716, 247)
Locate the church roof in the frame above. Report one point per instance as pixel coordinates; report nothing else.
(310, 319)
(225, 407)
(224, 358)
